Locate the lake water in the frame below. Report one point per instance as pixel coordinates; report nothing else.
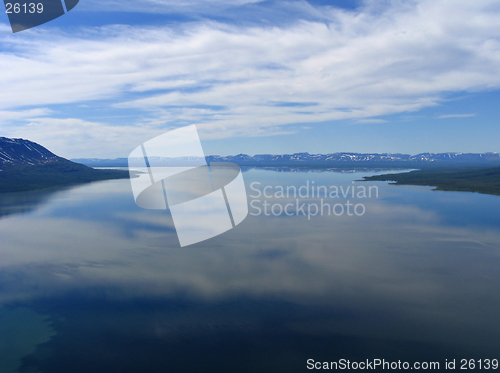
(89, 282)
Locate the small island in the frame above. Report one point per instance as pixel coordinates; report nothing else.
(479, 180)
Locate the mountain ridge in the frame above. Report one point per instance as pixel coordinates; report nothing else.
(26, 165)
(23, 152)
(339, 159)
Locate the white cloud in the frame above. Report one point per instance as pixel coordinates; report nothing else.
(456, 116)
(162, 6)
(76, 138)
(7, 116)
(375, 61)
(371, 120)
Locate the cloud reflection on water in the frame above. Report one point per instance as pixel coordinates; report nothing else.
(400, 270)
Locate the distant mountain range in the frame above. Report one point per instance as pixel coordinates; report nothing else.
(26, 165)
(332, 160)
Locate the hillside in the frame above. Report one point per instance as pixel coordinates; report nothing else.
(480, 180)
(26, 165)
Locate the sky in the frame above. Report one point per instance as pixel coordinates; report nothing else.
(257, 77)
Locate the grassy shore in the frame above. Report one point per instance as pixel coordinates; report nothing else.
(479, 180)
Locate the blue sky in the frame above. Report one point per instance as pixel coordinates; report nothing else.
(257, 76)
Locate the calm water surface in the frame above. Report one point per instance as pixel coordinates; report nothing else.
(89, 282)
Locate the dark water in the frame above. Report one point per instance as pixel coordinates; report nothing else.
(91, 283)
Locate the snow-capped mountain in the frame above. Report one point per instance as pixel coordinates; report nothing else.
(323, 160)
(15, 152)
(26, 165)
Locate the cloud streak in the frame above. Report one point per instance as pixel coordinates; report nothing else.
(163, 6)
(456, 116)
